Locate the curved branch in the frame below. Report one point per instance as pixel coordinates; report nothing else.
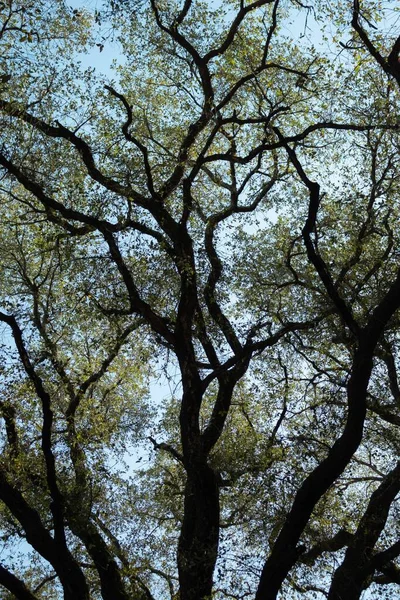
(312, 252)
(57, 504)
(349, 578)
(37, 535)
(390, 64)
(133, 139)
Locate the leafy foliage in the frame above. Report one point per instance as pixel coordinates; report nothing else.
(222, 208)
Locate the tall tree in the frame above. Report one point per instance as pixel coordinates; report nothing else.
(224, 209)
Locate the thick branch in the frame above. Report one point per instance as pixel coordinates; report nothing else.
(167, 448)
(15, 585)
(57, 503)
(37, 535)
(97, 375)
(131, 138)
(312, 252)
(220, 411)
(137, 305)
(390, 64)
(340, 540)
(284, 140)
(285, 552)
(112, 583)
(349, 578)
(244, 10)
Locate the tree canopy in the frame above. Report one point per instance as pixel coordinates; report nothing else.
(219, 211)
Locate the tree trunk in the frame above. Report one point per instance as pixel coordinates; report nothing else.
(198, 542)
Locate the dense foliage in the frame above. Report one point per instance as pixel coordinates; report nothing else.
(216, 214)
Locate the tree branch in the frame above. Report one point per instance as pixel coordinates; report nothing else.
(15, 585)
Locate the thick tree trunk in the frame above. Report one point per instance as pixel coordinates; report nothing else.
(198, 543)
(349, 579)
(286, 551)
(348, 585)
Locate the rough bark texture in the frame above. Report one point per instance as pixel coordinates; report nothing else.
(198, 542)
(349, 579)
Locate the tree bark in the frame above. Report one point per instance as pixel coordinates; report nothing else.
(15, 585)
(285, 551)
(198, 542)
(349, 579)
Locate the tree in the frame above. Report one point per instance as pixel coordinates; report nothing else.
(225, 208)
